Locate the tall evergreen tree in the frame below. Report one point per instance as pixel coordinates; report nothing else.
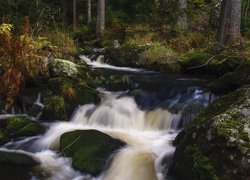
(100, 24)
(88, 11)
(182, 19)
(74, 14)
(230, 21)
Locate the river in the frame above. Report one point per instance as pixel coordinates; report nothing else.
(147, 115)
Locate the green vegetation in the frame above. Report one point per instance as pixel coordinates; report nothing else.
(16, 158)
(223, 129)
(18, 127)
(195, 165)
(90, 149)
(39, 46)
(54, 108)
(35, 33)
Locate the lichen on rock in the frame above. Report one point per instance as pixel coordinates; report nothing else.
(222, 137)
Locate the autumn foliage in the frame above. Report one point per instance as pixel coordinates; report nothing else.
(19, 59)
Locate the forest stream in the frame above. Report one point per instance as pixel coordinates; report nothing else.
(146, 115)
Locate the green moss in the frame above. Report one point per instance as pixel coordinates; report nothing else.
(29, 130)
(156, 53)
(85, 159)
(20, 126)
(226, 83)
(16, 158)
(201, 165)
(194, 59)
(221, 135)
(230, 127)
(90, 149)
(86, 95)
(192, 164)
(54, 108)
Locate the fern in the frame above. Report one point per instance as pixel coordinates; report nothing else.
(19, 59)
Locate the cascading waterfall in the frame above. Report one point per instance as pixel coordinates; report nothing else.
(99, 63)
(148, 132)
(148, 135)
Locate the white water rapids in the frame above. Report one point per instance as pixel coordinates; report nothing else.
(148, 135)
(99, 63)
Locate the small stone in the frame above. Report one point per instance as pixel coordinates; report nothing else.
(231, 157)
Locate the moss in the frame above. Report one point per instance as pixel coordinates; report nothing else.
(229, 126)
(20, 126)
(29, 130)
(86, 95)
(156, 53)
(54, 108)
(74, 91)
(226, 83)
(201, 165)
(16, 158)
(221, 134)
(90, 149)
(193, 164)
(194, 59)
(85, 159)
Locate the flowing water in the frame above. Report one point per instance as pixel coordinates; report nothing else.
(146, 115)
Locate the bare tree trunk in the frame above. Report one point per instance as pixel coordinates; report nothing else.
(74, 14)
(89, 11)
(182, 19)
(64, 9)
(230, 20)
(100, 25)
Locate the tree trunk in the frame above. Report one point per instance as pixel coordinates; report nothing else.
(89, 11)
(74, 14)
(229, 25)
(100, 25)
(64, 8)
(182, 19)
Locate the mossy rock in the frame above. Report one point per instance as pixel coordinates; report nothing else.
(86, 96)
(221, 135)
(90, 149)
(66, 94)
(21, 126)
(194, 165)
(63, 68)
(194, 59)
(16, 158)
(233, 80)
(54, 108)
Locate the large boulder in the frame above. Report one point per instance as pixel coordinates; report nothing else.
(217, 144)
(61, 107)
(233, 80)
(90, 149)
(16, 158)
(16, 127)
(62, 67)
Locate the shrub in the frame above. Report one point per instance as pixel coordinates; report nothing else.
(20, 59)
(54, 107)
(62, 43)
(155, 53)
